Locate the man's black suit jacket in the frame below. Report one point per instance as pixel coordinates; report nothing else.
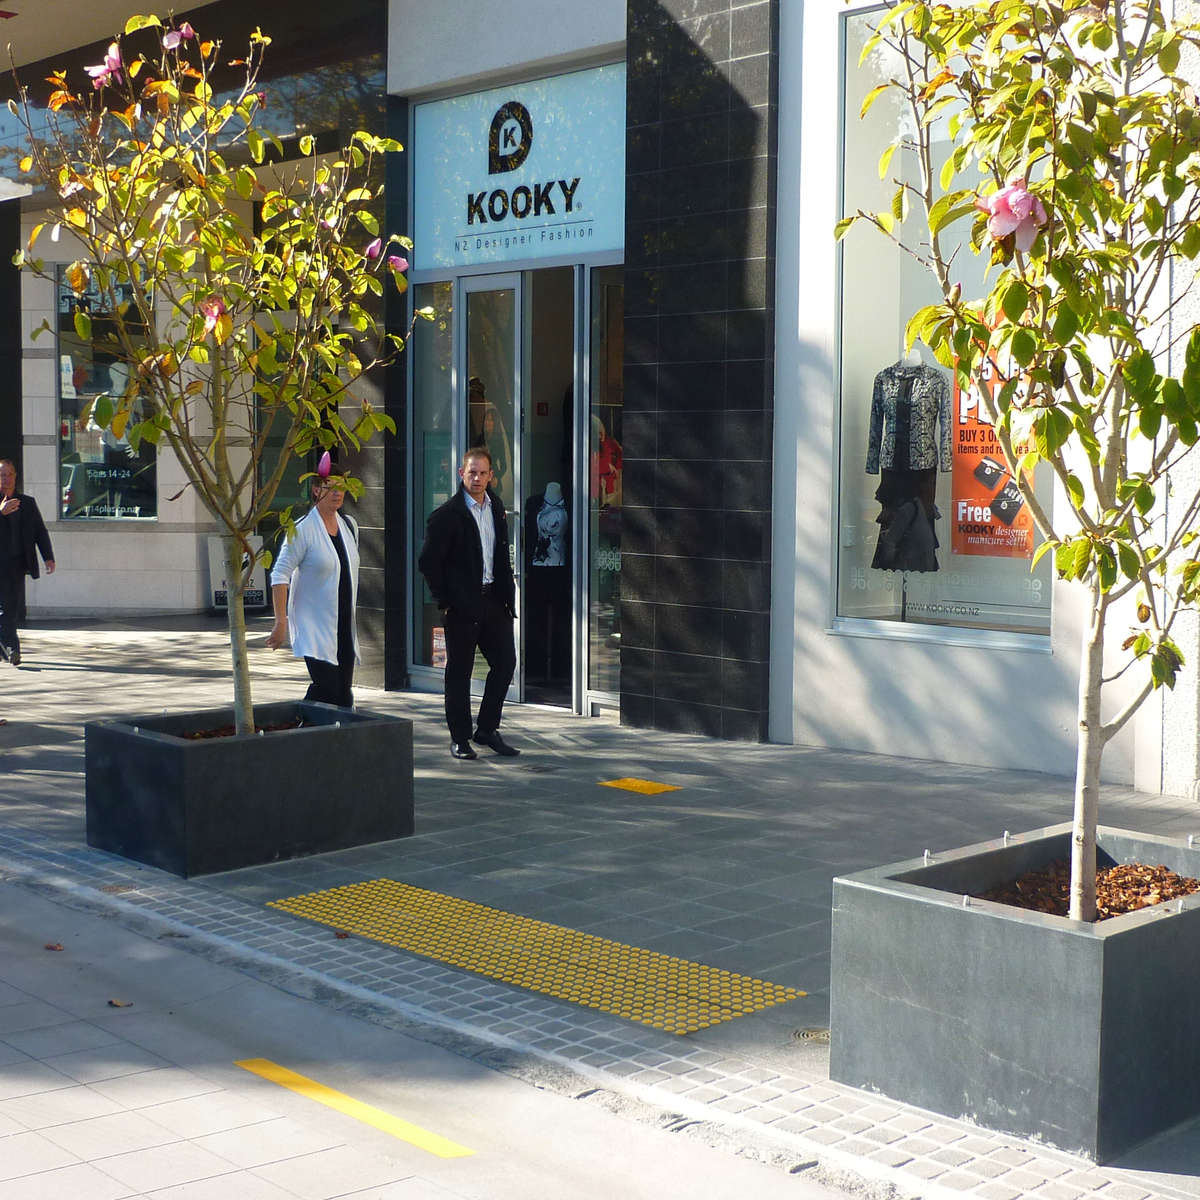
(31, 532)
(452, 558)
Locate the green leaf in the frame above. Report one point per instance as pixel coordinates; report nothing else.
(306, 144)
(1066, 324)
(885, 159)
(1131, 567)
(1024, 347)
(1081, 554)
(1042, 549)
(1106, 568)
(1015, 301)
(147, 22)
(870, 99)
(842, 227)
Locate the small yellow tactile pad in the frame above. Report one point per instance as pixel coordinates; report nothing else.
(654, 989)
(647, 787)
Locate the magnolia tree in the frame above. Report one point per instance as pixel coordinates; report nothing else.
(1071, 138)
(243, 286)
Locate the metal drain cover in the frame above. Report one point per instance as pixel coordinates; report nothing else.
(812, 1033)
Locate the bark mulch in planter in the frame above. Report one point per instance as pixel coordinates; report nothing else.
(1119, 889)
(231, 730)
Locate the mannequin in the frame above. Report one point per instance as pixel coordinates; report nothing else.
(908, 441)
(548, 586)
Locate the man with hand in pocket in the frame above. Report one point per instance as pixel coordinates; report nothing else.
(465, 561)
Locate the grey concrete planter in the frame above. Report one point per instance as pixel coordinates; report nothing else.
(193, 807)
(1086, 1037)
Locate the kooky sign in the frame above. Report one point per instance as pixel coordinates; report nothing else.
(989, 516)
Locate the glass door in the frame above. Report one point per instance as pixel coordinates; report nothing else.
(490, 382)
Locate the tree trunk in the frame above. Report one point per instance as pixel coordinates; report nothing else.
(235, 587)
(1087, 764)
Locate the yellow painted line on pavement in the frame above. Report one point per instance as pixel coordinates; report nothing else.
(406, 1131)
(647, 986)
(645, 787)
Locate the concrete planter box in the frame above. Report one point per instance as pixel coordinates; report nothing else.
(193, 807)
(1086, 1037)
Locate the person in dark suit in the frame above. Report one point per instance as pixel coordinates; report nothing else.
(22, 535)
(466, 563)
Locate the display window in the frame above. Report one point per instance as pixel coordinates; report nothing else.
(102, 475)
(931, 529)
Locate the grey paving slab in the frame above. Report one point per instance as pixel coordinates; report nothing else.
(734, 870)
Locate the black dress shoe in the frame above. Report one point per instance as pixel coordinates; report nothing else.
(462, 750)
(14, 657)
(493, 741)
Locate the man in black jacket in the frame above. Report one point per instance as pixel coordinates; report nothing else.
(465, 561)
(22, 535)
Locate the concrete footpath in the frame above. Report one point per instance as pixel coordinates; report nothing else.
(733, 869)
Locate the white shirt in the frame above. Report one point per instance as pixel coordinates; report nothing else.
(482, 512)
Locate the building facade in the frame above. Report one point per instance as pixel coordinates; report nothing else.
(623, 218)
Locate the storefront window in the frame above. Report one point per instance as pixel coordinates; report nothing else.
(102, 475)
(433, 466)
(932, 529)
(605, 471)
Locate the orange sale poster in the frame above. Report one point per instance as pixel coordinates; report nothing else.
(988, 514)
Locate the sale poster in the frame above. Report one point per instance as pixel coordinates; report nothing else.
(989, 516)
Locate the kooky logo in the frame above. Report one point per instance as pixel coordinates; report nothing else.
(510, 138)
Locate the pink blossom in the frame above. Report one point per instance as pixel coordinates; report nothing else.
(183, 34)
(397, 263)
(1014, 209)
(325, 465)
(374, 248)
(213, 309)
(109, 71)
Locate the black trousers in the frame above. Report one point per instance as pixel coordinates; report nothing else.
(12, 600)
(493, 637)
(331, 682)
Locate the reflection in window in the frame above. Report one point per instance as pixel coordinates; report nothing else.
(102, 475)
(931, 530)
(605, 472)
(433, 460)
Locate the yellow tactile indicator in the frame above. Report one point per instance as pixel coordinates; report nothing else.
(654, 989)
(647, 787)
(398, 1127)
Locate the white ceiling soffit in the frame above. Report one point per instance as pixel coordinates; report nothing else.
(43, 28)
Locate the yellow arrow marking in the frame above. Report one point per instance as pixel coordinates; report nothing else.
(396, 1126)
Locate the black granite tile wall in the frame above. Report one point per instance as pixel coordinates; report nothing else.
(10, 339)
(700, 278)
(395, 452)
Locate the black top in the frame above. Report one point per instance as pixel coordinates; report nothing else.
(345, 626)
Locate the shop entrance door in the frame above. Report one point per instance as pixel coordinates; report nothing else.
(517, 367)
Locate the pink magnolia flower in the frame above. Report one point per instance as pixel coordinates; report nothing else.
(184, 33)
(109, 71)
(397, 263)
(325, 465)
(213, 309)
(1014, 209)
(374, 248)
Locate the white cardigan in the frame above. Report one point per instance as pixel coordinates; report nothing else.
(309, 565)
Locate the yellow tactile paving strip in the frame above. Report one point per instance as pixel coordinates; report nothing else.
(647, 787)
(653, 989)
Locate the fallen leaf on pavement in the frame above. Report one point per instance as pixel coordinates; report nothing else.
(53, 946)
(341, 933)
(120, 1004)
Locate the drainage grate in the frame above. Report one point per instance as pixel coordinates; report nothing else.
(812, 1033)
(640, 985)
